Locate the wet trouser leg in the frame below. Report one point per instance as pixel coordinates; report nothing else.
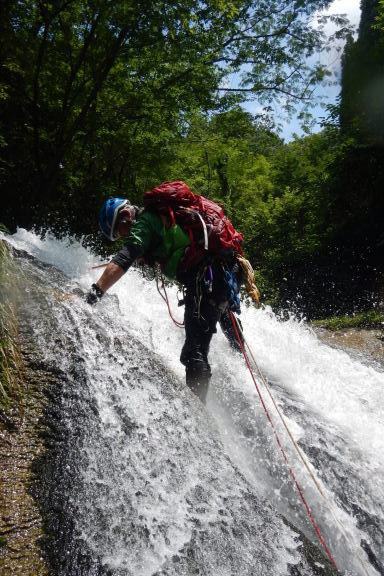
(229, 331)
(199, 328)
(205, 305)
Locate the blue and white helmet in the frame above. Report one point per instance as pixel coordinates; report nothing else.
(109, 212)
(108, 216)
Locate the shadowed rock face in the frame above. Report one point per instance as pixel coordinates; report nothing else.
(133, 480)
(21, 442)
(21, 525)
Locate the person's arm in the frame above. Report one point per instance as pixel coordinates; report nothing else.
(138, 242)
(109, 277)
(112, 273)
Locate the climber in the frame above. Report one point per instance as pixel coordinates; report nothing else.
(211, 281)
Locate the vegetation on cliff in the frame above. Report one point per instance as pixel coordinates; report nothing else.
(110, 99)
(12, 382)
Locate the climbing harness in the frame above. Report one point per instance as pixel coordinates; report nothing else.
(203, 285)
(240, 335)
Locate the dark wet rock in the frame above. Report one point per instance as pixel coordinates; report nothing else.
(21, 526)
(366, 345)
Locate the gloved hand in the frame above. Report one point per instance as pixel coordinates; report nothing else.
(94, 295)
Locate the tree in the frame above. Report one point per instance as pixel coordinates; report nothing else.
(94, 92)
(362, 85)
(357, 214)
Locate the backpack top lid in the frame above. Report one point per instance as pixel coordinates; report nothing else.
(177, 193)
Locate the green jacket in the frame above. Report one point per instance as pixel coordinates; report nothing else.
(156, 241)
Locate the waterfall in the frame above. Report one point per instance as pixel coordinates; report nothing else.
(148, 481)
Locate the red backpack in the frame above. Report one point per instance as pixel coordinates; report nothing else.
(209, 228)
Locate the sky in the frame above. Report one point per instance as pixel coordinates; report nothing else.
(332, 59)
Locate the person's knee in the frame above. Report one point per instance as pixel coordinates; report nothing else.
(234, 335)
(195, 354)
(197, 371)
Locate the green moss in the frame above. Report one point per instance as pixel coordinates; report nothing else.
(4, 229)
(3, 541)
(369, 319)
(11, 362)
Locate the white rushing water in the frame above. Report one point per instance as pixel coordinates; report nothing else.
(333, 404)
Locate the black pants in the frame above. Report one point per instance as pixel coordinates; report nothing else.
(206, 304)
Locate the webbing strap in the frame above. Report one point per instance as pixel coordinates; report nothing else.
(172, 215)
(205, 231)
(191, 238)
(165, 221)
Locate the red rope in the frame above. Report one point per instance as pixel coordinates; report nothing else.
(165, 298)
(282, 449)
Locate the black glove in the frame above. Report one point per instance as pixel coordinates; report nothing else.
(94, 295)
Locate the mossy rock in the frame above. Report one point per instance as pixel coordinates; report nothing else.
(368, 319)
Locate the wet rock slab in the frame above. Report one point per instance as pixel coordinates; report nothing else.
(21, 524)
(366, 344)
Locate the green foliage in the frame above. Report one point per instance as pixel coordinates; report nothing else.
(103, 99)
(379, 20)
(368, 319)
(358, 180)
(95, 95)
(3, 541)
(362, 107)
(286, 219)
(11, 362)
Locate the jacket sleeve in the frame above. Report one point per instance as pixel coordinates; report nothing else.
(126, 256)
(144, 234)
